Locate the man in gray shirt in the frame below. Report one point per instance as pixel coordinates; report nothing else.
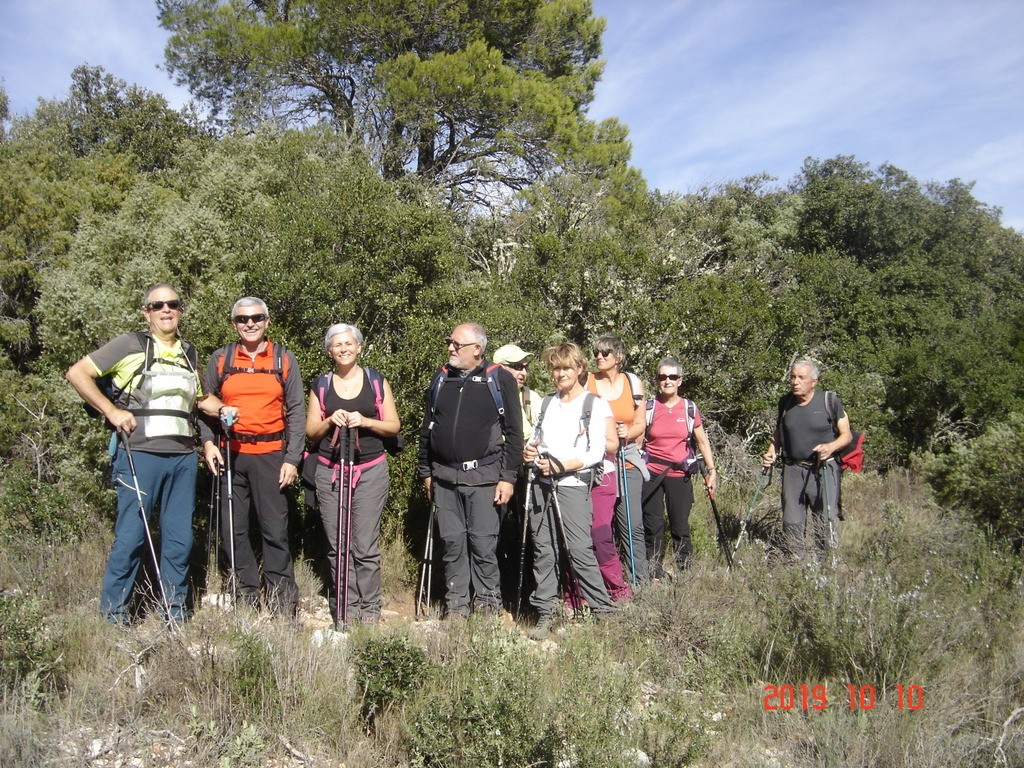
(812, 427)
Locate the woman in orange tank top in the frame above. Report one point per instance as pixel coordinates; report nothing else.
(618, 497)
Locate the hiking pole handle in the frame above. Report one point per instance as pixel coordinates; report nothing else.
(228, 416)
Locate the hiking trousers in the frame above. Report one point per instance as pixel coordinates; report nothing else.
(168, 483)
(255, 479)
(369, 495)
(468, 522)
(602, 533)
(550, 551)
(631, 526)
(674, 494)
(804, 488)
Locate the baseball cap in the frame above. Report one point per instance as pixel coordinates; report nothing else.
(510, 353)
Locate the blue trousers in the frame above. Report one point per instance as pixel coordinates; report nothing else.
(168, 482)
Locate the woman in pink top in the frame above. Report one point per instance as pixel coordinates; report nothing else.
(675, 437)
(624, 394)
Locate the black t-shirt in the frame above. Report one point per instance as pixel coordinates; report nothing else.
(805, 426)
(369, 445)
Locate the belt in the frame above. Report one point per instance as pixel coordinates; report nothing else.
(252, 437)
(806, 464)
(466, 466)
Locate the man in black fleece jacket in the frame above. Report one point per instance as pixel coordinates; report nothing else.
(471, 447)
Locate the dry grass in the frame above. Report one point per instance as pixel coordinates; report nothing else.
(919, 598)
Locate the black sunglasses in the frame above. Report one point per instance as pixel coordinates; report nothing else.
(246, 319)
(669, 377)
(602, 352)
(517, 366)
(458, 344)
(158, 305)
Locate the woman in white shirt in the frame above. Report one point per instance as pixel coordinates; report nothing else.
(574, 430)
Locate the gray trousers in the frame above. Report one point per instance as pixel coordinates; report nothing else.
(805, 488)
(573, 504)
(631, 526)
(368, 498)
(468, 522)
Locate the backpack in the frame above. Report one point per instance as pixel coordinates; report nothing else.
(490, 376)
(687, 464)
(596, 472)
(120, 396)
(394, 445)
(850, 457)
(226, 365)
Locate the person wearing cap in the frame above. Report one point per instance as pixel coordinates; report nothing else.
(515, 360)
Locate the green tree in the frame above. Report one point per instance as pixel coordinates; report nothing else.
(467, 93)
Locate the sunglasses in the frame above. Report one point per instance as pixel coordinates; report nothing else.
(156, 306)
(458, 344)
(669, 377)
(516, 366)
(602, 352)
(246, 319)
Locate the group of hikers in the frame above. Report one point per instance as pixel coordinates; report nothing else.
(594, 467)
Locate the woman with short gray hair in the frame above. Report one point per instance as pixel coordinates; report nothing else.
(359, 400)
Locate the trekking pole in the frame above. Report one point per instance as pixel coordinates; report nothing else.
(145, 527)
(620, 461)
(350, 453)
(228, 418)
(572, 586)
(213, 531)
(423, 595)
(762, 483)
(522, 545)
(706, 474)
(832, 542)
(335, 440)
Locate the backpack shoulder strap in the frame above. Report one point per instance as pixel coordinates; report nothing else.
(588, 412)
(226, 365)
(649, 416)
(635, 388)
(491, 373)
(320, 388)
(436, 382)
(280, 361)
(830, 409)
(543, 409)
(377, 382)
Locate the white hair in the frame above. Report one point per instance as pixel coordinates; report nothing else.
(339, 329)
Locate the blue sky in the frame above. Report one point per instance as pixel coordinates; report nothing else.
(712, 90)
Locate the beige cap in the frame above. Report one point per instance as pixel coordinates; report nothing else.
(510, 353)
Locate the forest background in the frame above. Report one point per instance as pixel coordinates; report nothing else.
(407, 166)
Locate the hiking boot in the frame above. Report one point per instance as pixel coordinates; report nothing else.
(541, 630)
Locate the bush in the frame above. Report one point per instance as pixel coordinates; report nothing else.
(985, 477)
(388, 670)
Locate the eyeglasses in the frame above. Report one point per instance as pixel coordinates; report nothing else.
(516, 366)
(459, 344)
(602, 352)
(246, 319)
(156, 306)
(669, 377)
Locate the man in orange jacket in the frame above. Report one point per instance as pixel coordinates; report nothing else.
(262, 378)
